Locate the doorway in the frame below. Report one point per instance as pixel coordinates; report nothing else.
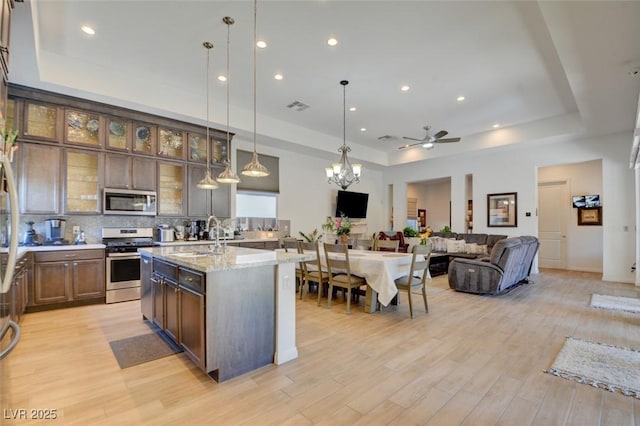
(552, 223)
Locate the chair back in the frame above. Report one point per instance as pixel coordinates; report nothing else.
(420, 265)
(317, 262)
(387, 245)
(291, 244)
(337, 264)
(363, 244)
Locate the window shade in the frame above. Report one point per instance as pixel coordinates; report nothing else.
(412, 208)
(270, 183)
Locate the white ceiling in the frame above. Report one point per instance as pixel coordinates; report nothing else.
(543, 70)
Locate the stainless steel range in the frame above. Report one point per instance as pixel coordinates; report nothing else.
(123, 261)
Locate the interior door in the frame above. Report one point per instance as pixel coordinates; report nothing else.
(553, 204)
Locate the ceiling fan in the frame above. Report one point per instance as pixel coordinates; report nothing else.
(429, 141)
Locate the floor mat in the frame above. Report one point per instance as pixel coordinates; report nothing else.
(137, 350)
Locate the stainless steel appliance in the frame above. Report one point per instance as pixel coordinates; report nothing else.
(123, 261)
(165, 234)
(54, 230)
(129, 202)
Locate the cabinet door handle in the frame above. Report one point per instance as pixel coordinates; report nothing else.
(69, 255)
(146, 262)
(189, 279)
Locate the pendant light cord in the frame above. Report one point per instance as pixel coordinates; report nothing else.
(255, 66)
(228, 84)
(208, 46)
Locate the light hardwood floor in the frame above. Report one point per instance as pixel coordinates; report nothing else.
(472, 360)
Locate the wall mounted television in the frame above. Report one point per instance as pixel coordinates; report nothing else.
(352, 204)
(585, 201)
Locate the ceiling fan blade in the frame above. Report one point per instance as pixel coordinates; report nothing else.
(448, 140)
(441, 134)
(410, 145)
(413, 139)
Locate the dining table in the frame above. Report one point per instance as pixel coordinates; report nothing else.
(380, 269)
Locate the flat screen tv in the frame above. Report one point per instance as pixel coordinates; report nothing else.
(352, 204)
(585, 201)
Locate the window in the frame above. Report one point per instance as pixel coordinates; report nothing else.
(256, 205)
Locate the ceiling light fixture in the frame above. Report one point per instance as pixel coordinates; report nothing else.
(460, 98)
(87, 30)
(227, 175)
(261, 44)
(207, 182)
(352, 109)
(222, 78)
(278, 77)
(405, 88)
(254, 168)
(332, 41)
(344, 173)
(363, 129)
(495, 126)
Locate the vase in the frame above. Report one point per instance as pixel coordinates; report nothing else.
(344, 239)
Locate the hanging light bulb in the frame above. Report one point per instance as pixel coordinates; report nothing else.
(344, 173)
(227, 175)
(254, 168)
(207, 182)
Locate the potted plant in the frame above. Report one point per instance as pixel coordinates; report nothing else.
(411, 237)
(312, 236)
(341, 227)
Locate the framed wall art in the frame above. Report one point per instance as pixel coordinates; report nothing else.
(502, 210)
(590, 216)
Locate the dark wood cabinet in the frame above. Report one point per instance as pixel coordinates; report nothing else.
(192, 331)
(39, 176)
(171, 313)
(171, 189)
(157, 289)
(68, 275)
(146, 286)
(199, 200)
(126, 172)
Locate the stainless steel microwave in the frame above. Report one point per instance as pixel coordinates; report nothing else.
(129, 202)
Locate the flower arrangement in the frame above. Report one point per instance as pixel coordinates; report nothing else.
(340, 226)
(312, 236)
(7, 139)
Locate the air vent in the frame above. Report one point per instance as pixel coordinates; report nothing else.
(299, 106)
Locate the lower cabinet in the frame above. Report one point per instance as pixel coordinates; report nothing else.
(179, 307)
(68, 275)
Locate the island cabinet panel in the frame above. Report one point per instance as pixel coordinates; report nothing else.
(192, 331)
(240, 321)
(39, 178)
(146, 283)
(171, 325)
(157, 297)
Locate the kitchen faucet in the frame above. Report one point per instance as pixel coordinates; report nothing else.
(216, 247)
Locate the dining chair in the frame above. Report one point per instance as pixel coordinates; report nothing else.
(291, 244)
(340, 273)
(418, 273)
(312, 270)
(386, 245)
(365, 244)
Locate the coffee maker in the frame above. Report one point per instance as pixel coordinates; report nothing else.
(54, 231)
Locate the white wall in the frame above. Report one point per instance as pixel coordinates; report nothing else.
(584, 243)
(307, 199)
(514, 169)
(434, 198)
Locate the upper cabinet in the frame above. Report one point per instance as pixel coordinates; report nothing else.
(42, 121)
(82, 128)
(144, 139)
(39, 174)
(171, 143)
(197, 147)
(127, 172)
(5, 34)
(82, 188)
(118, 134)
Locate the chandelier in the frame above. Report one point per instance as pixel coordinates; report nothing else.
(227, 175)
(207, 182)
(254, 168)
(344, 173)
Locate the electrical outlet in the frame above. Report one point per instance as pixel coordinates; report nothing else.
(76, 229)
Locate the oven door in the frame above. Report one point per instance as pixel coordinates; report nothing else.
(123, 270)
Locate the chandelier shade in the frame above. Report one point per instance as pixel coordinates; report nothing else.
(227, 175)
(207, 182)
(343, 173)
(254, 168)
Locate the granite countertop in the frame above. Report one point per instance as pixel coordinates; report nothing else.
(27, 249)
(210, 242)
(232, 258)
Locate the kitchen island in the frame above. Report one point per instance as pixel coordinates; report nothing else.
(232, 311)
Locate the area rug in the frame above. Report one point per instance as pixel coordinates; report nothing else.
(615, 303)
(600, 365)
(143, 348)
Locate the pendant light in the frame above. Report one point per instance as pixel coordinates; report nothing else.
(207, 182)
(344, 173)
(254, 168)
(228, 176)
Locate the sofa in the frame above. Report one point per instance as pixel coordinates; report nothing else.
(469, 246)
(508, 266)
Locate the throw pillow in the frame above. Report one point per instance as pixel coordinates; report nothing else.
(455, 246)
(471, 248)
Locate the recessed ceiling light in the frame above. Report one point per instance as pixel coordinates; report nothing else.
(87, 30)
(261, 44)
(222, 78)
(405, 88)
(332, 41)
(353, 109)
(460, 98)
(363, 129)
(278, 77)
(495, 126)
